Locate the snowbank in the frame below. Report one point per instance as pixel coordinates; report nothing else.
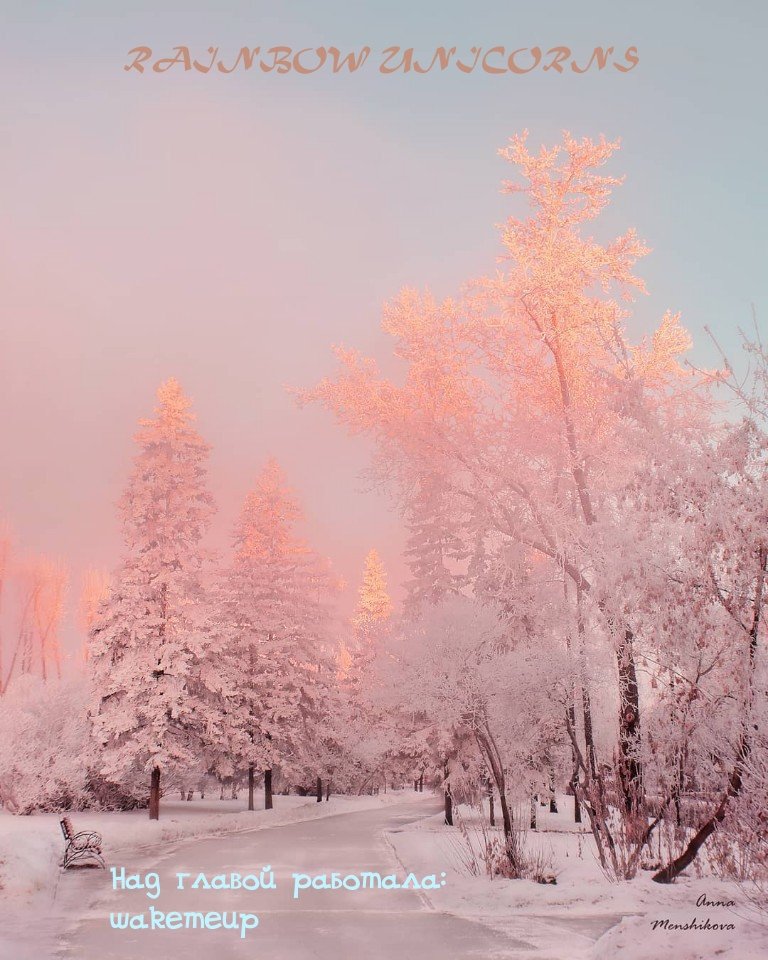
(598, 920)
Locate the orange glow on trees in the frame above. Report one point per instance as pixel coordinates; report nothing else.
(94, 589)
(41, 588)
(374, 606)
(524, 405)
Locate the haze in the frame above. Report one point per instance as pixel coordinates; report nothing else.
(228, 230)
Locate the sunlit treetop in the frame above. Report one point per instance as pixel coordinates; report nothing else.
(375, 605)
(268, 519)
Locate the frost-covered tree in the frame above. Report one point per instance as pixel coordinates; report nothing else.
(275, 629)
(359, 725)
(41, 584)
(465, 674)
(148, 650)
(374, 604)
(528, 400)
(708, 655)
(44, 744)
(434, 550)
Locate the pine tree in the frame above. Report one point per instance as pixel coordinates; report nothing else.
(276, 623)
(432, 546)
(370, 624)
(147, 645)
(363, 729)
(375, 605)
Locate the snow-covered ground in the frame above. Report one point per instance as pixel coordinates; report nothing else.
(35, 905)
(31, 847)
(341, 923)
(583, 915)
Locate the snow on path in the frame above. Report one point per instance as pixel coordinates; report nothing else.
(320, 925)
(37, 899)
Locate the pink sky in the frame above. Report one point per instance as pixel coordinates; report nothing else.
(225, 254)
(228, 231)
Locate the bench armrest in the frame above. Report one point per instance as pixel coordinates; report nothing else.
(86, 838)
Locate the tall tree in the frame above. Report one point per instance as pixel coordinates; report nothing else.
(374, 604)
(147, 645)
(526, 396)
(433, 550)
(276, 627)
(361, 725)
(41, 583)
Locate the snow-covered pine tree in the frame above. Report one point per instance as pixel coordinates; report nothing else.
(276, 622)
(370, 623)
(375, 605)
(432, 545)
(147, 645)
(363, 729)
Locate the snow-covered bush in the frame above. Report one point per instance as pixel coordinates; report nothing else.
(738, 850)
(44, 744)
(482, 849)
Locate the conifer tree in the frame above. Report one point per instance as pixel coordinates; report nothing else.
(432, 545)
(362, 727)
(276, 628)
(148, 650)
(375, 605)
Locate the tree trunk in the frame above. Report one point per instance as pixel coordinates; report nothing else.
(250, 787)
(448, 797)
(677, 789)
(686, 858)
(589, 734)
(319, 787)
(491, 811)
(506, 817)
(154, 794)
(489, 750)
(630, 770)
(327, 790)
(415, 786)
(268, 789)
(552, 794)
(574, 784)
(421, 782)
(189, 794)
(534, 805)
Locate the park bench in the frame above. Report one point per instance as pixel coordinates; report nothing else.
(83, 848)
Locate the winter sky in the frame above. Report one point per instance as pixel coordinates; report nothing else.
(227, 230)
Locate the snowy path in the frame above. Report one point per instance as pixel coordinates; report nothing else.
(321, 925)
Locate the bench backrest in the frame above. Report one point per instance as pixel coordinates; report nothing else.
(66, 828)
